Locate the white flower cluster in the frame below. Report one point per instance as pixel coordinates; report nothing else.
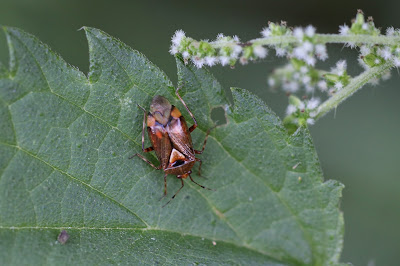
(302, 111)
(176, 41)
(303, 54)
(224, 50)
(307, 50)
(275, 29)
(293, 77)
(338, 77)
(372, 55)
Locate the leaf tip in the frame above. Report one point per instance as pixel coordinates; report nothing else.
(238, 94)
(91, 30)
(82, 28)
(5, 29)
(236, 90)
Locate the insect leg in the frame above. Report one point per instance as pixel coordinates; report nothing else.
(148, 149)
(175, 193)
(201, 162)
(145, 150)
(193, 127)
(144, 125)
(205, 141)
(165, 186)
(199, 184)
(147, 161)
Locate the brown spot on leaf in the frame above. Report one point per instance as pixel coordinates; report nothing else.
(63, 237)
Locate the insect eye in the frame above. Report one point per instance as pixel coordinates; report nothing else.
(178, 163)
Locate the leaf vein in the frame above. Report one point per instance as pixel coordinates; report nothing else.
(83, 183)
(276, 193)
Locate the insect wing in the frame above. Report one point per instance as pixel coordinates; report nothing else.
(180, 137)
(161, 143)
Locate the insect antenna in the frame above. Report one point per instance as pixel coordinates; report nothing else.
(194, 126)
(174, 194)
(144, 124)
(147, 161)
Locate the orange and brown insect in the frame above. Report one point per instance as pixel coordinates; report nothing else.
(171, 140)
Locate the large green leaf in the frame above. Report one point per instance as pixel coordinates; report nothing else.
(65, 142)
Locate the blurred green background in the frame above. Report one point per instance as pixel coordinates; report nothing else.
(359, 147)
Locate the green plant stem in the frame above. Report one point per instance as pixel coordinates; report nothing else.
(355, 84)
(331, 38)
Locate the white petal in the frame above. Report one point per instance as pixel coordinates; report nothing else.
(266, 32)
(310, 31)
(298, 33)
(313, 103)
(343, 29)
(260, 51)
(178, 36)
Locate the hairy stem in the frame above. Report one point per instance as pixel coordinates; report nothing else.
(330, 38)
(355, 84)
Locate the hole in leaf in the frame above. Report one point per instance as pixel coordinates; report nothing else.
(218, 116)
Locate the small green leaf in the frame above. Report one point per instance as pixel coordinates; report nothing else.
(65, 144)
